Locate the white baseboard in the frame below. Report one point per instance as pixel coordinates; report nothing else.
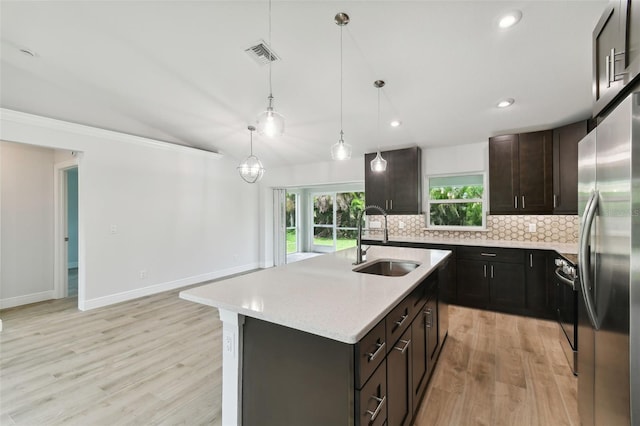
(159, 288)
(26, 299)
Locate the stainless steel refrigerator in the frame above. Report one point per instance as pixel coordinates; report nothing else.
(609, 269)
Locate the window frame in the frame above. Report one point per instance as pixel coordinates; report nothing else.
(482, 200)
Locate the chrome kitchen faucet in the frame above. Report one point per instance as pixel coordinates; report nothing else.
(360, 254)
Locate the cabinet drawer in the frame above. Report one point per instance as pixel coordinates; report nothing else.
(399, 319)
(491, 254)
(371, 401)
(370, 351)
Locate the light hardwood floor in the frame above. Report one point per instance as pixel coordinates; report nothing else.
(157, 360)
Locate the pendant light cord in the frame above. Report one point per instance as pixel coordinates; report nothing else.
(378, 120)
(341, 84)
(270, 56)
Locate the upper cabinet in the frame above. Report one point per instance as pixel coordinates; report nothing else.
(398, 189)
(521, 173)
(565, 166)
(616, 52)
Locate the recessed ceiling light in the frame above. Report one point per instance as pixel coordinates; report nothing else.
(27, 52)
(395, 123)
(508, 20)
(505, 103)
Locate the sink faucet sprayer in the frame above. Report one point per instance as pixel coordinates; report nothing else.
(360, 253)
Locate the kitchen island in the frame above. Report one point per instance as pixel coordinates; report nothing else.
(312, 342)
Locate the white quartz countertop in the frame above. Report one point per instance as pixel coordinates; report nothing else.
(569, 248)
(321, 295)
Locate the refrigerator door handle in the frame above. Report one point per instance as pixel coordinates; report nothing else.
(584, 257)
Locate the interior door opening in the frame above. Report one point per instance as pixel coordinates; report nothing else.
(71, 237)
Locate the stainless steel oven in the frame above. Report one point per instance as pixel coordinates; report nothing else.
(567, 309)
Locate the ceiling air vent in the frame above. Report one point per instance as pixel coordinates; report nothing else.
(262, 54)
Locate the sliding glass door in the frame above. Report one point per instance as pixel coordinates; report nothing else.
(291, 213)
(334, 221)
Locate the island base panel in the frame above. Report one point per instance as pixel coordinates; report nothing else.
(292, 377)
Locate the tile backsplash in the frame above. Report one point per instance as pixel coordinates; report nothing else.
(550, 228)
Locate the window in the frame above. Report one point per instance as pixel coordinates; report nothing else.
(335, 217)
(456, 202)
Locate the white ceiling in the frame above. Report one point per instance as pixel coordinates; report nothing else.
(177, 71)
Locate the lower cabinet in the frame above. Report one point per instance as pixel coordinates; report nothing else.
(491, 278)
(399, 381)
(412, 359)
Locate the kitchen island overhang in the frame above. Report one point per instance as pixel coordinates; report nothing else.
(321, 296)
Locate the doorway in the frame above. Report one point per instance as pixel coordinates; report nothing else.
(66, 252)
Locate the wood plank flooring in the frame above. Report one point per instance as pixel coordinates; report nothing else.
(157, 360)
(498, 369)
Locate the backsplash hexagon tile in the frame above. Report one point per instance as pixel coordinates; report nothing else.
(550, 228)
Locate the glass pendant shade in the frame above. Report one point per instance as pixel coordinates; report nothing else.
(270, 123)
(251, 169)
(341, 150)
(378, 164)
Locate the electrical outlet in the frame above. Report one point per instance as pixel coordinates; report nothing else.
(143, 274)
(401, 225)
(532, 227)
(228, 344)
(113, 229)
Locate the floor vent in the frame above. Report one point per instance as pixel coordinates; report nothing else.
(262, 54)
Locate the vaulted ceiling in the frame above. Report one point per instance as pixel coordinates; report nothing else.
(177, 71)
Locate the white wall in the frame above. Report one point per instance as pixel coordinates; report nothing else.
(181, 215)
(455, 159)
(26, 224)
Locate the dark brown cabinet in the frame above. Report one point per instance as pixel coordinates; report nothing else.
(609, 47)
(539, 288)
(473, 284)
(399, 382)
(491, 277)
(565, 166)
(398, 189)
(521, 173)
(616, 52)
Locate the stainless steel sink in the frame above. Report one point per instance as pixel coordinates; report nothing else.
(388, 267)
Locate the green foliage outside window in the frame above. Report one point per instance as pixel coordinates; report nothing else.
(448, 208)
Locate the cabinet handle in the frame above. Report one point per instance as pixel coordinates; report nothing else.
(375, 412)
(488, 254)
(607, 69)
(491, 271)
(515, 201)
(402, 320)
(530, 260)
(373, 356)
(485, 270)
(386, 204)
(406, 345)
(611, 62)
(429, 319)
(523, 202)
(391, 202)
(555, 201)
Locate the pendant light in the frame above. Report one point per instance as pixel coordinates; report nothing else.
(378, 164)
(341, 150)
(270, 122)
(251, 169)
